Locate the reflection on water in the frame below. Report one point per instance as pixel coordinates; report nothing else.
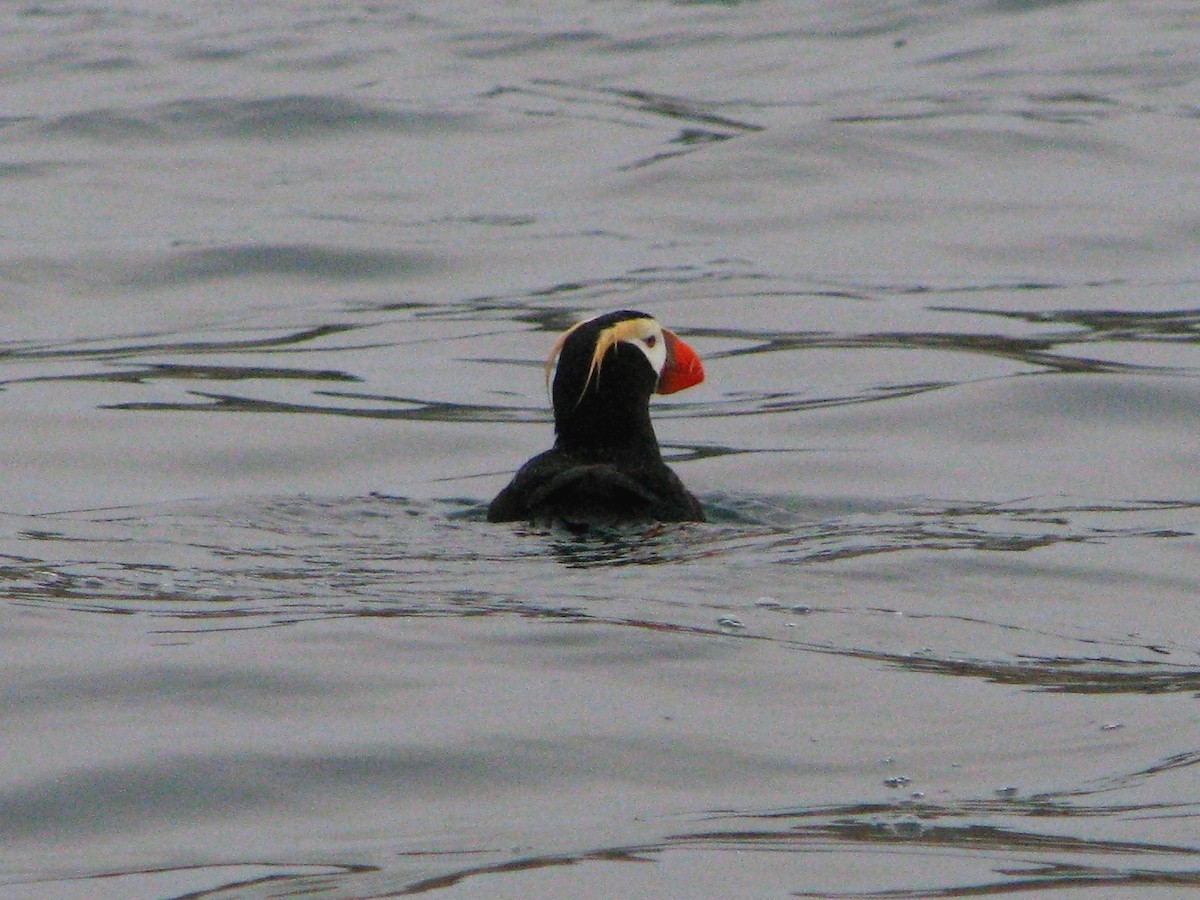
(700, 124)
(937, 636)
(268, 118)
(1030, 855)
(310, 558)
(1065, 675)
(1065, 351)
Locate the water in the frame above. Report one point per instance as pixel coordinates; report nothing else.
(276, 283)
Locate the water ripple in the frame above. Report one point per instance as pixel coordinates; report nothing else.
(264, 118)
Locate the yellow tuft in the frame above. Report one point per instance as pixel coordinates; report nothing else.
(626, 329)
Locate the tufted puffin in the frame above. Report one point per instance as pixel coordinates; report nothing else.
(605, 467)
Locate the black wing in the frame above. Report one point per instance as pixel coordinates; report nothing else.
(554, 487)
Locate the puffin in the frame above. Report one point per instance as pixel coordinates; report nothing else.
(605, 468)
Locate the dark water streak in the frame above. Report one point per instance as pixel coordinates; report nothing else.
(938, 260)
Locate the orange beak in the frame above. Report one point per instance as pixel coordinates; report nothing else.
(683, 368)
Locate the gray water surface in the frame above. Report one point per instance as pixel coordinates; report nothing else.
(276, 285)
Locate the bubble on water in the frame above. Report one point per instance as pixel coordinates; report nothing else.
(896, 781)
(1112, 726)
(767, 603)
(1006, 791)
(802, 609)
(730, 622)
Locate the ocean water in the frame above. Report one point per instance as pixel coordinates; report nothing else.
(276, 285)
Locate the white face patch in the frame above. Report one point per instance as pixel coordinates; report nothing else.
(651, 342)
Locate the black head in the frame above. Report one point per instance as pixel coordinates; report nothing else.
(608, 367)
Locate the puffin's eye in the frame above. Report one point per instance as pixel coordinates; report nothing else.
(651, 340)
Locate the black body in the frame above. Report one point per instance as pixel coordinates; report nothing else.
(605, 467)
